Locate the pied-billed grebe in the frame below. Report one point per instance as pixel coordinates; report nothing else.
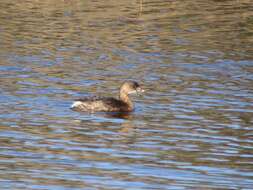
(103, 104)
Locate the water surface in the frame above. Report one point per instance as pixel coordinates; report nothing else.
(192, 129)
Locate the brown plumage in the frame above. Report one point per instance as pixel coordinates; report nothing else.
(123, 104)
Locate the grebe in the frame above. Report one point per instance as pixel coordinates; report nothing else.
(104, 104)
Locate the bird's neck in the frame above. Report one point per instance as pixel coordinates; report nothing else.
(123, 96)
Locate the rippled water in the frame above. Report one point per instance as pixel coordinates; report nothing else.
(192, 129)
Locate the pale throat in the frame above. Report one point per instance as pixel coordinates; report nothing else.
(125, 98)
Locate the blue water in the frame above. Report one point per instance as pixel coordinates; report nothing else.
(192, 129)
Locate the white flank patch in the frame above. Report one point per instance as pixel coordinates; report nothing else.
(76, 104)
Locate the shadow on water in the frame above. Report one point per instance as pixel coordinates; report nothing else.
(120, 115)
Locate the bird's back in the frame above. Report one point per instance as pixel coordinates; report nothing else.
(94, 104)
